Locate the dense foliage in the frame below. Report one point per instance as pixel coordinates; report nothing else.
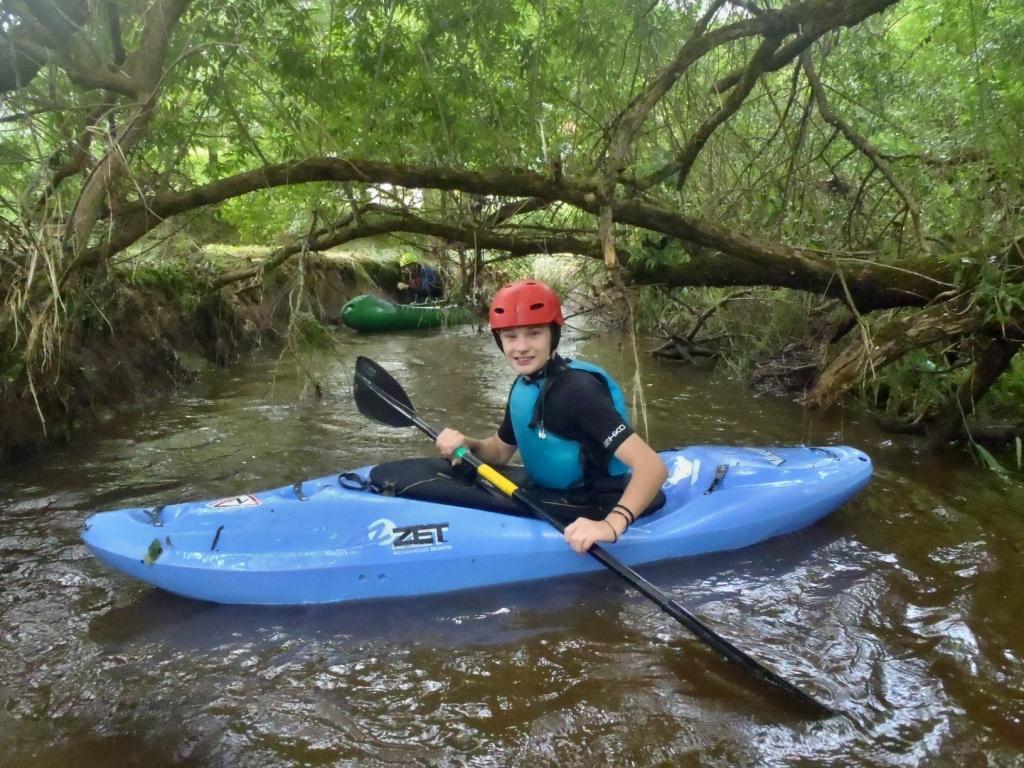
(863, 151)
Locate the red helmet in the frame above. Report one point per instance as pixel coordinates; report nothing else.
(525, 302)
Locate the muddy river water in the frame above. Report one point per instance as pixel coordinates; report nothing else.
(902, 609)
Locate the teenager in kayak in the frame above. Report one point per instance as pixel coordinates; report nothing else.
(567, 418)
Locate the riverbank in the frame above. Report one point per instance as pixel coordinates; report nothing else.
(154, 324)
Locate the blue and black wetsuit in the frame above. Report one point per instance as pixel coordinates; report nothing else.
(567, 421)
(571, 470)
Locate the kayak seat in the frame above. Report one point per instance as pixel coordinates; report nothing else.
(436, 480)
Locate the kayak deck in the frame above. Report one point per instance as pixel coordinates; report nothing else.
(321, 542)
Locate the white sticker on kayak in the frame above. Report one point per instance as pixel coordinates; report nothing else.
(232, 502)
(682, 468)
(381, 531)
(420, 537)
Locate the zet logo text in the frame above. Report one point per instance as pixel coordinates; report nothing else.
(409, 538)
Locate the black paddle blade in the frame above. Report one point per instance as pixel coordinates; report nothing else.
(379, 397)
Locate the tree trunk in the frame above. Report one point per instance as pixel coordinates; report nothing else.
(870, 350)
(989, 366)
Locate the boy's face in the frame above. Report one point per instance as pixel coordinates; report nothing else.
(527, 347)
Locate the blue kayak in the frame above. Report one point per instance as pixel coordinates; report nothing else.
(328, 540)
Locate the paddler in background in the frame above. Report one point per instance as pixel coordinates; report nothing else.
(567, 419)
(421, 281)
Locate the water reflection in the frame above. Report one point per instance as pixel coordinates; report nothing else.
(898, 609)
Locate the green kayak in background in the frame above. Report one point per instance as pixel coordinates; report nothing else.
(372, 313)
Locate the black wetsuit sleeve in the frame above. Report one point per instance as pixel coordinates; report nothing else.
(505, 432)
(580, 408)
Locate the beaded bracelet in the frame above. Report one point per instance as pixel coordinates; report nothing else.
(612, 527)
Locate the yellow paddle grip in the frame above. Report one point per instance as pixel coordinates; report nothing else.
(496, 479)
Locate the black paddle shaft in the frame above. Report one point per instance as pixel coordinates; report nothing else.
(703, 632)
(375, 385)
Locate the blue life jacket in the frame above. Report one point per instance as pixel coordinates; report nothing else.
(552, 461)
(429, 278)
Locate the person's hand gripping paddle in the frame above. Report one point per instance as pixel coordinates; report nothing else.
(379, 397)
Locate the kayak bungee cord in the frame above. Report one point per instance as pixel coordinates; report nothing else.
(380, 397)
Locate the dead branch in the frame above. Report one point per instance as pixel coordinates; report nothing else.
(889, 342)
(687, 346)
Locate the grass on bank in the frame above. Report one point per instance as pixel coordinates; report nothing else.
(185, 274)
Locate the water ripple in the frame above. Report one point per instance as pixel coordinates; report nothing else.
(899, 610)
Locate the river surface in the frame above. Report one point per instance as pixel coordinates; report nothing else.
(902, 609)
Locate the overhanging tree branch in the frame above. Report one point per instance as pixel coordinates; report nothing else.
(873, 286)
(146, 64)
(385, 221)
(31, 32)
(733, 102)
(819, 15)
(865, 148)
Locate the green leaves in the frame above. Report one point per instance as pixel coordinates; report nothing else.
(1001, 297)
(988, 460)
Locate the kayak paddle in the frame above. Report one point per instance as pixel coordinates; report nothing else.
(379, 397)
